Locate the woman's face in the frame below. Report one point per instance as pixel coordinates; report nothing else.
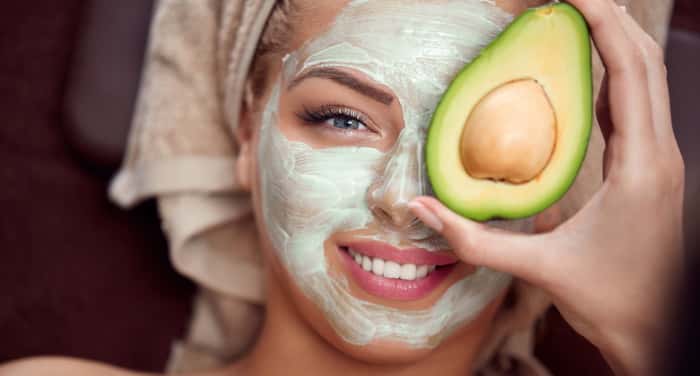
(337, 157)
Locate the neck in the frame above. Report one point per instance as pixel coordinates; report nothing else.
(288, 345)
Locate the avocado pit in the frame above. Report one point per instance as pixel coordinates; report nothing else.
(510, 134)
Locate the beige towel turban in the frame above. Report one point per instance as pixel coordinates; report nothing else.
(181, 151)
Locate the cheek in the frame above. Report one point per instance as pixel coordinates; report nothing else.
(255, 161)
(255, 190)
(304, 194)
(260, 199)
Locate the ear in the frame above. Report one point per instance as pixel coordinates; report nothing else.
(549, 219)
(244, 159)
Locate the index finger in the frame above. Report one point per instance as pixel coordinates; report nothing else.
(629, 97)
(616, 50)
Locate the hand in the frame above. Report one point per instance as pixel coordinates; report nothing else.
(609, 268)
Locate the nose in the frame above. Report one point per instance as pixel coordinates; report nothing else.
(402, 179)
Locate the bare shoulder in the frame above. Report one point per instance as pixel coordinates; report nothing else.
(60, 366)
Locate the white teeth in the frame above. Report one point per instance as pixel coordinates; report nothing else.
(422, 271)
(408, 272)
(378, 266)
(392, 269)
(358, 258)
(366, 263)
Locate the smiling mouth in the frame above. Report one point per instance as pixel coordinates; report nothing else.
(387, 272)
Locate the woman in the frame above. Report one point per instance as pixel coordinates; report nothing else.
(366, 274)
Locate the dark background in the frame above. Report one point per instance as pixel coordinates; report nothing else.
(80, 277)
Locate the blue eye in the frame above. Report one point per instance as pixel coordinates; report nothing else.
(345, 122)
(338, 117)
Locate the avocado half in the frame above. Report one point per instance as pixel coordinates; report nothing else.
(549, 46)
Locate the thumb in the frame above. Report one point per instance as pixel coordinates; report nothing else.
(522, 255)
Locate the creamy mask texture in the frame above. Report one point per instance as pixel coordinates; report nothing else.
(414, 48)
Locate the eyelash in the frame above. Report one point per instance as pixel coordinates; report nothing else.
(327, 112)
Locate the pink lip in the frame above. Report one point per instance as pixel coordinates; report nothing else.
(416, 256)
(398, 289)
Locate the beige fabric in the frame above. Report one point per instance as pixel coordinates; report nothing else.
(180, 147)
(181, 152)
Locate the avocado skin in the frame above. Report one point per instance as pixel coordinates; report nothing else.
(483, 211)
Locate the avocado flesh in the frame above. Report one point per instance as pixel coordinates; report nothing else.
(551, 46)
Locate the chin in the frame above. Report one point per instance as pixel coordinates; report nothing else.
(413, 292)
(376, 352)
(392, 352)
(382, 352)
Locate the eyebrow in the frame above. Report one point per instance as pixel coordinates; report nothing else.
(347, 80)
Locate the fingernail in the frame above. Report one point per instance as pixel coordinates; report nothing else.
(425, 215)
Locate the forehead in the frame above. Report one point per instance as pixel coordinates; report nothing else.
(312, 17)
(412, 46)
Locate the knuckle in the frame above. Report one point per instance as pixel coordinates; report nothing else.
(465, 242)
(552, 262)
(673, 171)
(655, 51)
(631, 64)
(590, 10)
(598, 13)
(547, 266)
(644, 181)
(678, 185)
(652, 50)
(466, 247)
(594, 16)
(459, 238)
(636, 61)
(656, 181)
(680, 165)
(677, 175)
